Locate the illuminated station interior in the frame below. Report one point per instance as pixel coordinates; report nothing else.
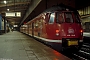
(16, 44)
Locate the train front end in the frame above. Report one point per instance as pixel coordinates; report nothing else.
(71, 31)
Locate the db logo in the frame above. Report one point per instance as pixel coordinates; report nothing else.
(70, 31)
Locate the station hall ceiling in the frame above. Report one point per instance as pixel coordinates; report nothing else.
(82, 3)
(23, 5)
(14, 6)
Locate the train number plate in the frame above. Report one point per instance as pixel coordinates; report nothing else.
(72, 43)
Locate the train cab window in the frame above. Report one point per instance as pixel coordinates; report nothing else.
(52, 16)
(60, 18)
(47, 16)
(68, 17)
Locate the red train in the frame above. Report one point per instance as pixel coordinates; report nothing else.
(57, 26)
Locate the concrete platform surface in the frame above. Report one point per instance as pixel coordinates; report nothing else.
(86, 34)
(17, 46)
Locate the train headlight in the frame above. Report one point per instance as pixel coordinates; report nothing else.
(57, 31)
(57, 34)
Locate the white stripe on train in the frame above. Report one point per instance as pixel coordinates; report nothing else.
(50, 40)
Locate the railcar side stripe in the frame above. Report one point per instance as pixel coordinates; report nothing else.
(49, 40)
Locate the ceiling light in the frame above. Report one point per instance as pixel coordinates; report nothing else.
(7, 9)
(5, 2)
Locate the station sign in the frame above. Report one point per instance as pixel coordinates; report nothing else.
(13, 14)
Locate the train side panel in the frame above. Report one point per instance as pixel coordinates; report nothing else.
(37, 27)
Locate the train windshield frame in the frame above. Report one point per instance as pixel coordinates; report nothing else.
(67, 17)
(77, 18)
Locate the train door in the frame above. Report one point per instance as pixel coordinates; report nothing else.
(27, 29)
(32, 28)
(50, 27)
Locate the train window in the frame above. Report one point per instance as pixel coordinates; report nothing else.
(37, 23)
(77, 19)
(47, 17)
(52, 16)
(69, 18)
(60, 18)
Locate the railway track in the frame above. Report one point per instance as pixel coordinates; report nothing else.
(83, 53)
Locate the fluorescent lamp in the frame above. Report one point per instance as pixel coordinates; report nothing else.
(5, 2)
(7, 9)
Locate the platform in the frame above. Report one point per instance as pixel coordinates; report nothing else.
(18, 46)
(86, 37)
(86, 34)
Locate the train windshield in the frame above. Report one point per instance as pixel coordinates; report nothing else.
(60, 17)
(69, 17)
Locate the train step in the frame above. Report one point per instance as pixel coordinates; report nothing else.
(83, 53)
